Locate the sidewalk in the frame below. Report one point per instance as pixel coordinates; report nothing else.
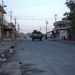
(64, 41)
(67, 41)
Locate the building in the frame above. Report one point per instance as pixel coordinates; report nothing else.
(9, 31)
(8, 28)
(2, 11)
(62, 30)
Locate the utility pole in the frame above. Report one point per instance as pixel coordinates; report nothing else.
(15, 26)
(46, 29)
(18, 28)
(10, 16)
(55, 17)
(2, 24)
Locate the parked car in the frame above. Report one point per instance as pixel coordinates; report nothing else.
(36, 35)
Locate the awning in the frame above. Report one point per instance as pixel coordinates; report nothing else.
(7, 28)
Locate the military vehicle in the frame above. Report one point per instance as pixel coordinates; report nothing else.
(36, 35)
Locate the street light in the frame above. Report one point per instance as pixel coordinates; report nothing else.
(2, 26)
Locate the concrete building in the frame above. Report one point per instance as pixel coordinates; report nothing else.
(62, 30)
(9, 28)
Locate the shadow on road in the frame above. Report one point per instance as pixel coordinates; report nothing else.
(28, 70)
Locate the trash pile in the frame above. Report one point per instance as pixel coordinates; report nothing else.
(7, 53)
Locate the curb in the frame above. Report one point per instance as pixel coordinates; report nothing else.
(70, 42)
(62, 41)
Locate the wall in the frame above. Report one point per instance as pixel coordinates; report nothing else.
(62, 34)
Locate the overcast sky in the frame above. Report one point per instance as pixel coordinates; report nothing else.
(32, 14)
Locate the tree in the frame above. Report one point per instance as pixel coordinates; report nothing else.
(71, 15)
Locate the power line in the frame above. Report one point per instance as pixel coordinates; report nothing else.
(30, 19)
(44, 13)
(48, 4)
(48, 12)
(25, 30)
(34, 18)
(58, 11)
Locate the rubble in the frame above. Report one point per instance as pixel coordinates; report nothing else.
(4, 59)
(11, 51)
(7, 53)
(2, 55)
(7, 49)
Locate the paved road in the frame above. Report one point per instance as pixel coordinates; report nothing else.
(45, 57)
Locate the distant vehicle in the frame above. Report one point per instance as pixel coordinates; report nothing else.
(36, 35)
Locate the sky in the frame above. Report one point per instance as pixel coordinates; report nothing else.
(33, 14)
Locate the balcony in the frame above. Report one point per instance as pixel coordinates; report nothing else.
(62, 25)
(62, 28)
